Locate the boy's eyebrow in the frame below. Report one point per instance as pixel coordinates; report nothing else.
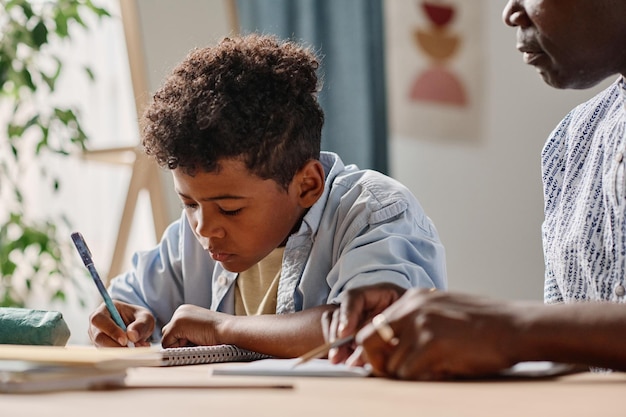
(216, 198)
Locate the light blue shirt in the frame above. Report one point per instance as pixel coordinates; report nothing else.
(366, 228)
(584, 231)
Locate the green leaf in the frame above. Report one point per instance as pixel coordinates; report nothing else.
(64, 115)
(100, 12)
(90, 74)
(27, 79)
(28, 11)
(14, 151)
(78, 19)
(40, 34)
(60, 21)
(4, 69)
(59, 295)
(15, 131)
(32, 122)
(8, 267)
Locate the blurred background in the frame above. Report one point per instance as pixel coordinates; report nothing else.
(432, 93)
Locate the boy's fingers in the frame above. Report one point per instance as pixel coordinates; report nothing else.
(326, 323)
(351, 309)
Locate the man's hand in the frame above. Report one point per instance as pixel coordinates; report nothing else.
(358, 307)
(442, 335)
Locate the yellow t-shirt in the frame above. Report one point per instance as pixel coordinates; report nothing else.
(256, 288)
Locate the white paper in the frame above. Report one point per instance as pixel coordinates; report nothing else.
(286, 367)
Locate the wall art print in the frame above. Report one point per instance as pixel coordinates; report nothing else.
(435, 68)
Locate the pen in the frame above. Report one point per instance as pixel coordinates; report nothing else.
(322, 350)
(85, 255)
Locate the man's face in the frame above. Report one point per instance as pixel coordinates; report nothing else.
(572, 43)
(238, 217)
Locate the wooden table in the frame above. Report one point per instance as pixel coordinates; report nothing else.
(192, 391)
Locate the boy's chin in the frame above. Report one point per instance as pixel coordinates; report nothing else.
(235, 267)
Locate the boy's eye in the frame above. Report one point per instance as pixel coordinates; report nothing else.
(230, 212)
(189, 205)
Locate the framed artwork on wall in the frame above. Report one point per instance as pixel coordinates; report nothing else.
(434, 53)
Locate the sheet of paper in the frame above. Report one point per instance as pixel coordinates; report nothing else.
(285, 367)
(538, 369)
(323, 368)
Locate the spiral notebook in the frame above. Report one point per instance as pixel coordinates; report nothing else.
(193, 355)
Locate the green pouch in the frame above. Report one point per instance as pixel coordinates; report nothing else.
(24, 326)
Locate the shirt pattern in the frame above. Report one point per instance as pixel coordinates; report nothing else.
(584, 230)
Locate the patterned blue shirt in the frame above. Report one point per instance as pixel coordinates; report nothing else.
(584, 231)
(367, 228)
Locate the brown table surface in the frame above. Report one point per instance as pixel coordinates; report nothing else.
(193, 391)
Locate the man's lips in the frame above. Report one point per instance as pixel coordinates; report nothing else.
(530, 54)
(531, 58)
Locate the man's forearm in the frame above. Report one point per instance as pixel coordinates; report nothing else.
(584, 333)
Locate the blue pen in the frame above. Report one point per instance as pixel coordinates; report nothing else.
(85, 254)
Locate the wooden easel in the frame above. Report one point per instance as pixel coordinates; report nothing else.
(146, 175)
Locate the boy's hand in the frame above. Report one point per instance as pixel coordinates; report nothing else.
(103, 331)
(193, 325)
(358, 307)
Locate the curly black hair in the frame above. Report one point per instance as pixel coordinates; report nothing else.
(252, 98)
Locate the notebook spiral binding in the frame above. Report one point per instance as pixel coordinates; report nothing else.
(193, 355)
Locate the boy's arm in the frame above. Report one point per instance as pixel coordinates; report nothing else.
(282, 335)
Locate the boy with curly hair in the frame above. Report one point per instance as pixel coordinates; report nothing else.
(273, 230)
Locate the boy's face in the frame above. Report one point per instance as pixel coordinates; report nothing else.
(238, 217)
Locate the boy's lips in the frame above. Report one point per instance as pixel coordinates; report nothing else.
(220, 256)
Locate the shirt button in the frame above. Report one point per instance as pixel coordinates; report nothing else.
(619, 157)
(222, 281)
(620, 291)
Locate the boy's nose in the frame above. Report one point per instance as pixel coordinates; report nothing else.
(209, 229)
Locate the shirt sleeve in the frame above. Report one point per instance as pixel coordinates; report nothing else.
(392, 241)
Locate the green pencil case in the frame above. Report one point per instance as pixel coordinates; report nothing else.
(24, 326)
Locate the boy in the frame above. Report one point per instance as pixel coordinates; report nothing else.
(273, 231)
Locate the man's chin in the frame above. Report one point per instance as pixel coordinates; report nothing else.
(579, 81)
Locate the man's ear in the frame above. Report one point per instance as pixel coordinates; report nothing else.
(309, 182)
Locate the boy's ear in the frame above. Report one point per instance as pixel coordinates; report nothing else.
(310, 183)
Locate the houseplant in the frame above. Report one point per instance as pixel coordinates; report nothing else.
(32, 128)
